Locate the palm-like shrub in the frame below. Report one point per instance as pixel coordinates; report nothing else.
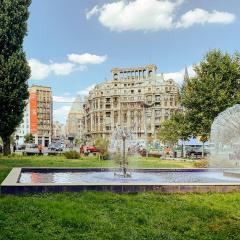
(72, 154)
(101, 145)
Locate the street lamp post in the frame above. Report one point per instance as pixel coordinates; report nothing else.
(123, 135)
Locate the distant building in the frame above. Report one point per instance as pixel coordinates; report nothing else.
(24, 127)
(41, 116)
(58, 131)
(136, 98)
(74, 125)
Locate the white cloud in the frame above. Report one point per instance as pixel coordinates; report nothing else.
(136, 15)
(62, 99)
(153, 15)
(178, 76)
(76, 62)
(85, 91)
(41, 70)
(38, 70)
(87, 58)
(61, 113)
(200, 16)
(92, 12)
(62, 68)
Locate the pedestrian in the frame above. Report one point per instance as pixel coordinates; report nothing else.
(167, 151)
(14, 147)
(40, 148)
(81, 150)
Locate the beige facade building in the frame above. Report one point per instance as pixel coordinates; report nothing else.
(74, 126)
(41, 114)
(58, 131)
(136, 98)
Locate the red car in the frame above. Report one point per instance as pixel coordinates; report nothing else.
(91, 149)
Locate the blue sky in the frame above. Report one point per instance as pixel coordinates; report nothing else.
(73, 44)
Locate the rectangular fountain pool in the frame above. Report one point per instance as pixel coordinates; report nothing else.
(25, 180)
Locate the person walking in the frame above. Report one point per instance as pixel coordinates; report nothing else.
(81, 150)
(40, 148)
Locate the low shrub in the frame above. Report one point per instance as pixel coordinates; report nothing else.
(203, 163)
(72, 154)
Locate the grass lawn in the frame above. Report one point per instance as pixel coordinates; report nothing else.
(99, 215)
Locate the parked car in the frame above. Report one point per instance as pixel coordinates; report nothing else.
(195, 152)
(31, 145)
(91, 149)
(55, 147)
(21, 147)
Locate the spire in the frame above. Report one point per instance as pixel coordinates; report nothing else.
(186, 76)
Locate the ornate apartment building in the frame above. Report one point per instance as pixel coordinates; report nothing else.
(136, 98)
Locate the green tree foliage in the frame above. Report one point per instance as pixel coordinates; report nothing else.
(77, 141)
(167, 133)
(215, 87)
(177, 127)
(102, 146)
(182, 125)
(14, 69)
(28, 138)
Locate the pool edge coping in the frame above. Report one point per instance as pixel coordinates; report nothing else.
(13, 177)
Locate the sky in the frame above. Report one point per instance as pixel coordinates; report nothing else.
(73, 44)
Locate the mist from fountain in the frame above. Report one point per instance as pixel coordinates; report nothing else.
(123, 145)
(225, 139)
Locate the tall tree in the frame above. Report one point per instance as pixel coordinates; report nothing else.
(14, 69)
(215, 87)
(174, 129)
(28, 138)
(182, 128)
(167, 133)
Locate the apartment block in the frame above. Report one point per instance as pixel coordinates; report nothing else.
(136, 98)
(41, 114)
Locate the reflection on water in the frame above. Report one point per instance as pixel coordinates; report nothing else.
(137, 177)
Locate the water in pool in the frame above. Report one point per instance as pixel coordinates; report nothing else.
(136, 177)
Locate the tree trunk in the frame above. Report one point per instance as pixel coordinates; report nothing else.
(6, 146)
(182, 150)
(202, 149)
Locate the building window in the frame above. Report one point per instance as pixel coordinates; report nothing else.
(108, 128)
(157, 98)
(157, 112)
(149, 98)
